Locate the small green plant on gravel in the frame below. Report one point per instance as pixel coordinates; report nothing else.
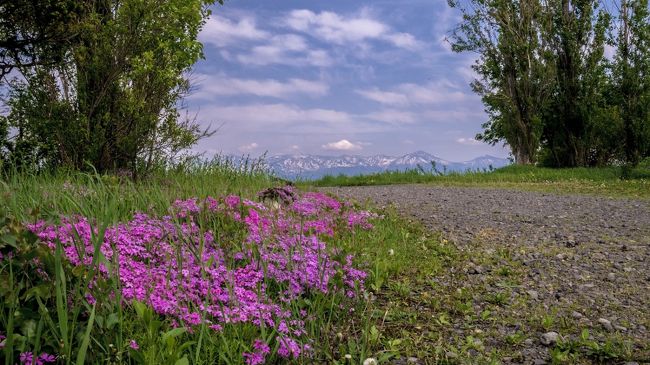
(547, 321)
(568, 350)
(498, 298)
(609, 351)
(504, 271)
(516, 338)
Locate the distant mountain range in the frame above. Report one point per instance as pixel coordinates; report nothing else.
(314, 167)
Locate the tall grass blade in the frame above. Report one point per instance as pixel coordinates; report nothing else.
(81, 355)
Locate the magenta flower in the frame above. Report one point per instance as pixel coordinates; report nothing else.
(26, 358)
(134, 345)
(175, 265)
(253, 358)
(46, 358)
(261, 347)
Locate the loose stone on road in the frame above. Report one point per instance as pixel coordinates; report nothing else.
(583, 261)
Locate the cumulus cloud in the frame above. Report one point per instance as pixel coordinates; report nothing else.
(221, 31)
(468, 141)
(248, 147)
(338, 29)
(342, 145)
(212, 85)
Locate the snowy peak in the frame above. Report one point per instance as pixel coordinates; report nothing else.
(315, 166)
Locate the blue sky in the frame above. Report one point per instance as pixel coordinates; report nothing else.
(336, 77)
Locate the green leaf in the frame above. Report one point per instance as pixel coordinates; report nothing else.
(182, 361)
(137, 356)
(9, 240)
(140, 309)
(112, 320)
(171, 334)
(81, 355)
(28, 329)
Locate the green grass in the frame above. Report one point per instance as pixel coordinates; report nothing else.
(605, 181)
(114, 198)
(49, 313)
(52, 315)
(407, 310)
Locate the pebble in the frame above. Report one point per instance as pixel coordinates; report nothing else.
(611, 276)
(533, 294)
(576, 315)
(606, 324)
(528, 342)
(450, 355)
(620, 328)
(476, 269)
(549, 338)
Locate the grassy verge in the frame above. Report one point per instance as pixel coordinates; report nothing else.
(605, 181)
(279, 272)
(415, 302)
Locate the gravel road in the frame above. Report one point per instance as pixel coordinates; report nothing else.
(584, 258)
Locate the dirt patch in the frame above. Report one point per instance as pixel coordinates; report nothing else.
(541, 278)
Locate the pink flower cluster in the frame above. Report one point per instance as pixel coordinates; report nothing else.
(28, 358)
(175, 264)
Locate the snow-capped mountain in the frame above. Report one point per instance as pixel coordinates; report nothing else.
(314, 166)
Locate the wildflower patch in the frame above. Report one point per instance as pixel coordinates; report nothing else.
(225, 262)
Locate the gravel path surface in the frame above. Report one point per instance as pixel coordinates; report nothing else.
(582, 258)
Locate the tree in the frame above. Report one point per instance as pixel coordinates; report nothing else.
(516, 80)
(35, 32)
(577, 38)
(116, 87)
(631, 77)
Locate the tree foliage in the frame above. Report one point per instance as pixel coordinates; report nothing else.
(36, 32)
(107, 95)
(550, 92)
(514, 70)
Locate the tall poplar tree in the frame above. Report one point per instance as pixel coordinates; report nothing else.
(578, 38)
(631, 77)
(516, 79)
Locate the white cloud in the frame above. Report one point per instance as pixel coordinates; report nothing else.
(342, 145)
(337, 29)
(384, 97)
(392, 116)
(276, 115)
(467, 73)
(437, 92)
(211, 85)
(610, 52)
(221, 31)
(248, 147)
(445, 44)
(468, 141)
(287, 49)
(403, 40)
